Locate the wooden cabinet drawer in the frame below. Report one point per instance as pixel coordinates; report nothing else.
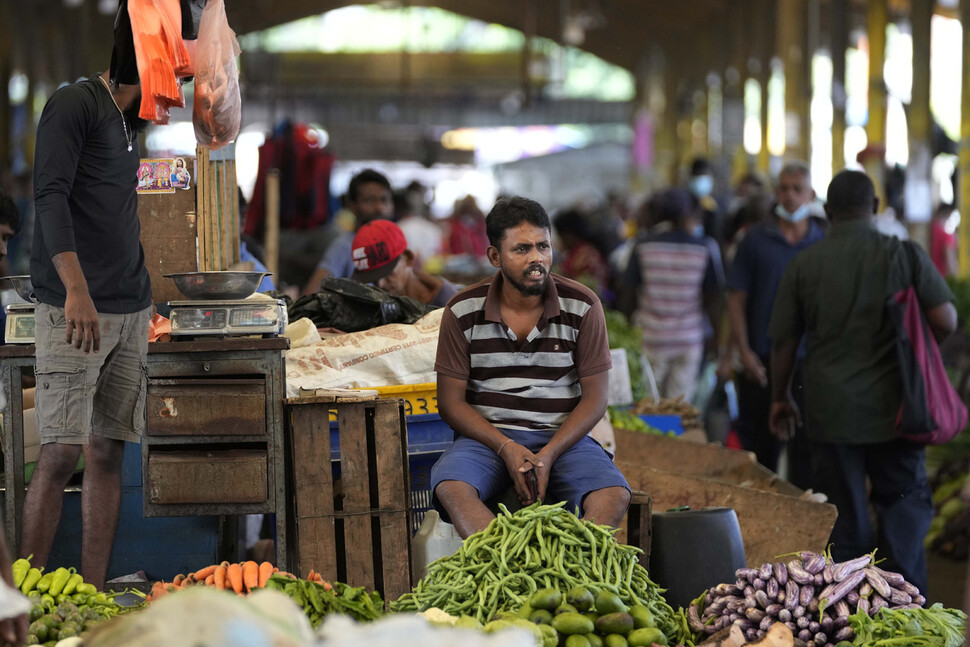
(202, 407)
(217, 476)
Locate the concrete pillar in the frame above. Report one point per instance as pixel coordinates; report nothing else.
(918, 193)
(838, 42)
(792, 46)
(964, 189)
(877, 16)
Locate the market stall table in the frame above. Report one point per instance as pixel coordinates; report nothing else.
(215, 414)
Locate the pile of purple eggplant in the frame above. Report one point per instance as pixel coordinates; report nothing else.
(811, 594)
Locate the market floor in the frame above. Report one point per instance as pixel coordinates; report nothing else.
(946, 579)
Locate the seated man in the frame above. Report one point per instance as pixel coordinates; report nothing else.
(381, 257)
(522, 364)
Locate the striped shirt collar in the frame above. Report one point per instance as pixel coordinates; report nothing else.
(493, 300)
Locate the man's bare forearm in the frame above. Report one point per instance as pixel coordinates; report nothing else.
(589, 411)
(69, 270)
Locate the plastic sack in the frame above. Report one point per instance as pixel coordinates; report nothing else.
(161, 54)
(217, 108)
(349, 306)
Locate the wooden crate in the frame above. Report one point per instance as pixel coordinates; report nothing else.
(217, 476)
(355, 530)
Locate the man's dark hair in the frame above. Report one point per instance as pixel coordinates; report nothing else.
(511, 212)
(367, 176)
(700, 166)
(851, 193)
(9, 215)
(674, 205)
(572, 221)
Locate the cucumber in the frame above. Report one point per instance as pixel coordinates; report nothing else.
(615, 623)
(646, 637)
(547, 599)
(572, 623)
(581, 598)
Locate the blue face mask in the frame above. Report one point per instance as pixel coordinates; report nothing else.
(701, 185)
(698, 230)
(798, 214)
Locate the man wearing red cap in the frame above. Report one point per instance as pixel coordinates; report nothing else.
(381, 257)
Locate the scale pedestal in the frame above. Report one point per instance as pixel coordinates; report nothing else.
(20, 324)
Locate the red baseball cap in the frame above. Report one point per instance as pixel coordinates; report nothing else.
(375, 250)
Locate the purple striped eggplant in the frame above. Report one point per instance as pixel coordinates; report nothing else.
(746, 574)
(791, 594)
(821, 639)
(835, 592)
(814, 627)
(771, 588)
(766, 623)
(804, 635)
(900, 597)
(806, 595)
(844, 569)
(877, 602)
(845, 633)
(781, 573)
(827, 623)
(802, 623)
(754, 614)
(694, 620)
(813, 562)
(819, 580)
(866, 589)
(797, 573)
(852, 597)
(909, 589)
(919, 599)
(878, 583)
(842, 609)
(862, 606)
(799, 611)
(894, 579)
(784, 615)
(762, 599)
(758, 584)
(828, 573)
(765, 571)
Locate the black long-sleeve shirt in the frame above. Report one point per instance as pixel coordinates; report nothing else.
(85, 200)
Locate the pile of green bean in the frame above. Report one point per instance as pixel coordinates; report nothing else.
(541, 546)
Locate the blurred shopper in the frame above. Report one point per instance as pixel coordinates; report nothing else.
(382, 257)
(753, 281)
(701, 186)
(834, 294)
(943, 240)
(9, 227)
(369, 197)
(673, 284)
(581, 261)
(466, 229)
(425, 237)
(13, 631)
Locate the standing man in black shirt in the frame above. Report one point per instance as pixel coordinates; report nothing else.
(88, 272)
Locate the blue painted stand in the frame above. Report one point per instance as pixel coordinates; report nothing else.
(162, 547)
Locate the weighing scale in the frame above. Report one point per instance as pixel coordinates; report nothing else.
(227, 318)
(20, 324)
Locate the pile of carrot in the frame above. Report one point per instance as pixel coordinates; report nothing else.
(241, 578)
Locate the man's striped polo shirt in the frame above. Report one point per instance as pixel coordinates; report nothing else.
(530, 384)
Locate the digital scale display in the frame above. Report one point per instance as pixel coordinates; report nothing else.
(240, 318)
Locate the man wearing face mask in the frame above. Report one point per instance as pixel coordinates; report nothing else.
(701, 186)
(753, 281)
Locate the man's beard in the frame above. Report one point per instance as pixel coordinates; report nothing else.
(135, 123)
(527, 290)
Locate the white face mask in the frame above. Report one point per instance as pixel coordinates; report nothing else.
(701, 185)
(798, 214)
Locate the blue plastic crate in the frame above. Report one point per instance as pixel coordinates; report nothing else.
(665, 423)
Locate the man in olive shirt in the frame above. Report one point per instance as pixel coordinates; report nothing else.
(835, 294)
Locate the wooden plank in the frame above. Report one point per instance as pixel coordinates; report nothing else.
(638, 525)
(698, 459)
(390, 440)
(313, 492)
(168, 235)
(356, 482)
(233, 210)
(771, 524)
(202, 208)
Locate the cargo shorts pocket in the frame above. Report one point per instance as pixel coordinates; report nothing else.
(139, 414)
(63, 402)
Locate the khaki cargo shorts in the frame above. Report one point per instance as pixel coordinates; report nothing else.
(99, 393)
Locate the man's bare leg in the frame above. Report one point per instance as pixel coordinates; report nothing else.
(606, 506)
(468, 514)
(45, 496)
(100, 505)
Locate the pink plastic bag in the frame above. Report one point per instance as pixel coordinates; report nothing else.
(217, 109)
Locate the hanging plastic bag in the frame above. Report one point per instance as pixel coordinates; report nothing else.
(217, 110)
(161, 55)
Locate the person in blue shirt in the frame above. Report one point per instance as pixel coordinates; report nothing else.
(752, 282)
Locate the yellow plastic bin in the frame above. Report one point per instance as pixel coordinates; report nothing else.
(418, 398)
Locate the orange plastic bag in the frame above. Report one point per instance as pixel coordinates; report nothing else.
(161, 55)
(217, 110)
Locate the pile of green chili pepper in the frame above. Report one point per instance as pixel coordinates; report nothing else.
(540, 546)
(932, 627)
(318, 602)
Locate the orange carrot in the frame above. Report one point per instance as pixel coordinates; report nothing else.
(309, 577)
(234, 575)
(265, 572)
(250, 571)
(178, 579)
(210, 579)
(220, 576)
(203, 573)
